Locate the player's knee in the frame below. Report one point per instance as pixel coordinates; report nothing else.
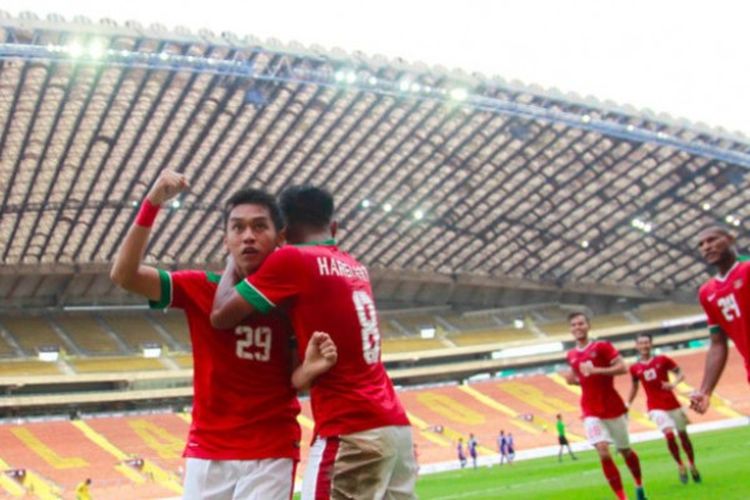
(603, 450)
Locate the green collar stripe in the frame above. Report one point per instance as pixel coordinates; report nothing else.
(213, 277)
(166, 292)
(715, 329)
(254, 297)
(329, 242)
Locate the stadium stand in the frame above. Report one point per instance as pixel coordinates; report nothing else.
(404, 345)
(494, 335)
(32, 332)
(667, 310)
(116, 364)
(14, 368)
(88, 334)
(134, 329)
(175, 324)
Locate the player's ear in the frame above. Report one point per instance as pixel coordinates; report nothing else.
(334, 226)
(281, 237)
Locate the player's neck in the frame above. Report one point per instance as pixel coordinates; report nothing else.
(645, 358)
(581, 344)
(725, 264)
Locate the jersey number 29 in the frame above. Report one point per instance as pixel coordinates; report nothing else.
(368, 320)
(260, 338)
(729, 307)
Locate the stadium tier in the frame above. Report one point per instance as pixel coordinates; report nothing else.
(89, 334)
(64, 452)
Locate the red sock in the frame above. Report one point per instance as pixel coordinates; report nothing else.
(673, 448)
(613, 476)
(635, 466)
(687, 446)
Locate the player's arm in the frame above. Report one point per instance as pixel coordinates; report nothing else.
(679, 376)
(128, 271)
(633, 389)
(716, 360)
(229, 306)
(616, 367)
(320, 356)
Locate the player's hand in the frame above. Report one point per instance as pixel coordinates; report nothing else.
(587, 368)
(700, 402)
(321, 353)
(570, 377)
(167, 186)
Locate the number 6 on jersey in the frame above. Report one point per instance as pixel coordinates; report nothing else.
(368, 319)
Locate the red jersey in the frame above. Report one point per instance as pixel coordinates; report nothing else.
(244, 404)
(598, 395)
(652, 374)
(726, 301)
(327, 290)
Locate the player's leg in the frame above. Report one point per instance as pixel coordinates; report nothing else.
(681, 424)
(268, 478)
(600, 439)
(404, 475)
(358, 465)
(666, 425)
(618, 429)
(316, 483)
(570, 451)
(209, 479)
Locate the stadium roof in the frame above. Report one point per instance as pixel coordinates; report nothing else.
(439, 177)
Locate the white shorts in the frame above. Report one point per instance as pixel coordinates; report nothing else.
(239, 479)
(376, 463)
(611, 430)
(665, 419)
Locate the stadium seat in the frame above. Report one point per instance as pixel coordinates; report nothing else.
(31, 332)
(87, 333)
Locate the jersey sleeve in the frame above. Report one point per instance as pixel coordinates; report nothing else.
(175, 288)
(608, 351)
(669, 363)
(279, 278)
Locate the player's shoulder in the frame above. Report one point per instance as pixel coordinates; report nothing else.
(194, 276)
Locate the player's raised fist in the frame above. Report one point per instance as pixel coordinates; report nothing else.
(321, 353)
(167, 186)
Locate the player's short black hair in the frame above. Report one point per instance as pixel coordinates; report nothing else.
(307, 205)
(575, 314)
(719, 228)
(645, 334)
(252, 196)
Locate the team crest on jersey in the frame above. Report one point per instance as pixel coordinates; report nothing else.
(738, 284)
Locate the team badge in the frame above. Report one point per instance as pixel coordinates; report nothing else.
(738, 284)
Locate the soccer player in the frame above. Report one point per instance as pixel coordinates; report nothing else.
(460, 452)
(726, 300)
(82, 490)
(511, 449)
(471, 444)
(502, 447)
(663, 408)
(244, 436)
(562, 439)
(363, 442)
(594, 364)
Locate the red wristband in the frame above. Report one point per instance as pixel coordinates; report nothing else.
(147, 214)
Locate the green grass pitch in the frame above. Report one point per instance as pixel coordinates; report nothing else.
(722, 457)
